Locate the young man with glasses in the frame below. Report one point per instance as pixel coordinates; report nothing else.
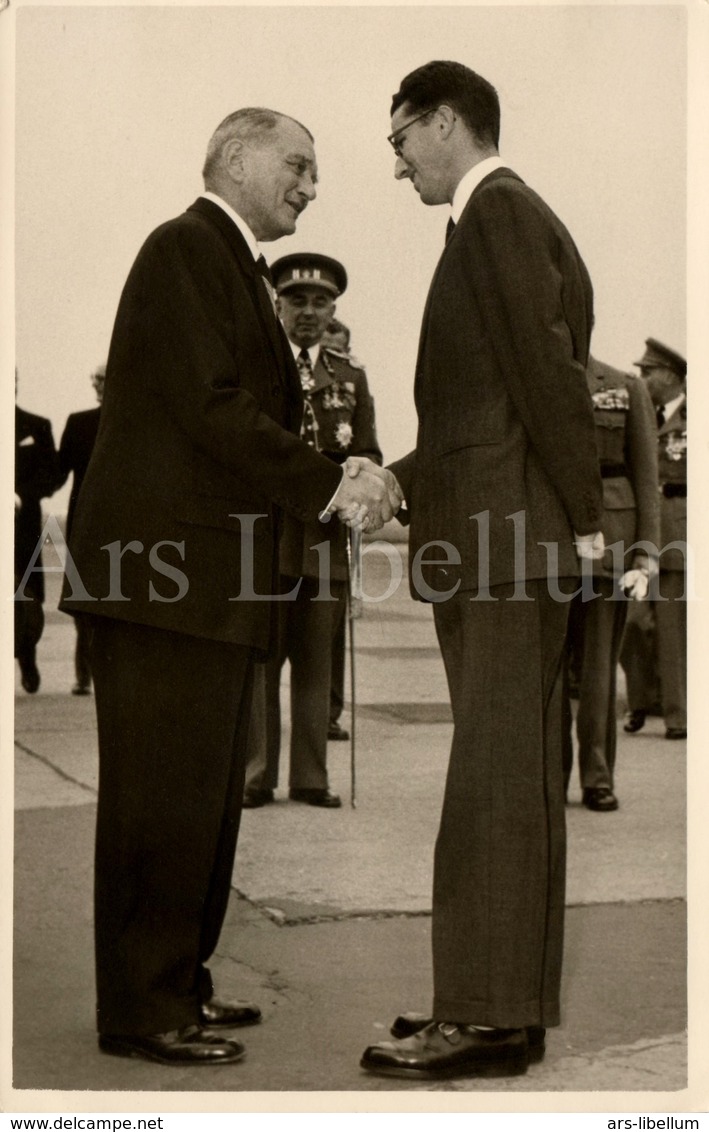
(504, 494)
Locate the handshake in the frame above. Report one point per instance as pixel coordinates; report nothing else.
(368, 496)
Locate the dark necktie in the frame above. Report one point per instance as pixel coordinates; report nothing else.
(265, 272)
(660, 414)
(450, 228)
(309, 427)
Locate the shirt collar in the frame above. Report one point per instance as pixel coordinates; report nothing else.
(241, 224)
(470, 181)
(313, 351)
(673, 405)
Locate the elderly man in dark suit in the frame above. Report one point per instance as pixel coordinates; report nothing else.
(339, 422)
(625, 436)
(504, 495)
(174, 559)
(36, 477)
(75, 448)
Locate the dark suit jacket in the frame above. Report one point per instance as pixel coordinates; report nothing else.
(344, 412)
(505, 420)
(626, 439)
(75, 448)
(36, 477)
(201, 404)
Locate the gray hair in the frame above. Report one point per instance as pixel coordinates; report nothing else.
(252, 124)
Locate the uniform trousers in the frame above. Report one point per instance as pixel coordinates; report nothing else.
(647, 655)
(595, 634)
(173, 715)
(671, 628)
(305, 632)
(500, 858)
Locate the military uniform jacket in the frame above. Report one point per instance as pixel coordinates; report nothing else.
(36, 476)
(626, 430)
(75, 448)
(199, 426)
(344, 412)
(672, 464)
(505, 417)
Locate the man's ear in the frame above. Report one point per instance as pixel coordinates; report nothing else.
(445, 119)
(279, 306)
(233, 159)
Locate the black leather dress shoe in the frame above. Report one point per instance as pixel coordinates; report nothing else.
(336, 733)
(676, 733)
(254, 798)
(317, 798)
(30, 676)
(444, 1050)
(217, 1014)
(81, 690)
(412, 1022)
(189, 1046)
(635, 720)
(599, 798)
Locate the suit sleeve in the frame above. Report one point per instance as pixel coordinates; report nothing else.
(37, 472)
(519, 285)
(364, 431)
(641, 460)
(196, 357)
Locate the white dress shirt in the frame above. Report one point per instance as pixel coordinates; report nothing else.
(470, 181)
(238, 220)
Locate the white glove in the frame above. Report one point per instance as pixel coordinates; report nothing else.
(635, 584)
(590, 546)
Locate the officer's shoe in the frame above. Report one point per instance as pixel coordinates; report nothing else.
(599, 798)
(635, 720)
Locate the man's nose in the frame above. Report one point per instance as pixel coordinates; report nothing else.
(307, 187)
(401, 169)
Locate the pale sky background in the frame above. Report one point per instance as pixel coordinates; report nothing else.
(114, 107)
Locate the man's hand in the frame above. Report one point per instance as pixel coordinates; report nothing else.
(368, 496)
(590, 546)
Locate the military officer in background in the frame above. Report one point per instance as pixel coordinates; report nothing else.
(625, 438)
(75, 448)
(665, 374)
(338, 421)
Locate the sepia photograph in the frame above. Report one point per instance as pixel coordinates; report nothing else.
(345, 743)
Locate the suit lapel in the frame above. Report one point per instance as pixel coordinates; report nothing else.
(247, 265)
(495, 175)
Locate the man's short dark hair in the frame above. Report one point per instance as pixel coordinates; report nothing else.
(472, 97)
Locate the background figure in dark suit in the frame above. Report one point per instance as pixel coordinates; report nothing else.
(665, 375)
(36, 477)
(75, 448)
(505, 461)
(173, 549)
(625, 436)
(338, 422)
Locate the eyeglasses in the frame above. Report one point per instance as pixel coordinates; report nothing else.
(392, 138)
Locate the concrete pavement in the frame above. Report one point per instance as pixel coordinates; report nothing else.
(329, 924)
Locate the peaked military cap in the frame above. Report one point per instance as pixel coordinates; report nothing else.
(302, 269)
(657, 354)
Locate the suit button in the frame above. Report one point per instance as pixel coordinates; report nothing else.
(275, 390)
